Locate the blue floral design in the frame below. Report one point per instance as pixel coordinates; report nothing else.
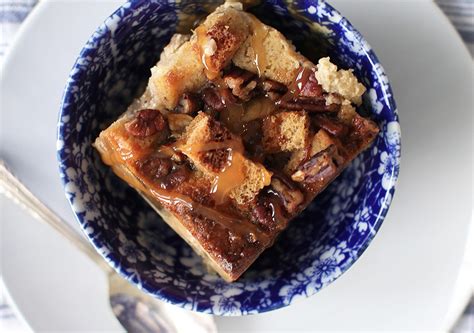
(327, 268)
(319, 246)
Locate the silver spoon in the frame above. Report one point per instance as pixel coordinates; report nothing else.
(135, 310)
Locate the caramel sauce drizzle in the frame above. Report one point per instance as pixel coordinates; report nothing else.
(198, 147)
(259, 33)
(232, 175)
(232, 223)
(236, 116)
(237, 225)
(171, 198)
(229, 222)
(202, 39)
(258, 108)
(112, 156)
(232, 117)
(302, 78)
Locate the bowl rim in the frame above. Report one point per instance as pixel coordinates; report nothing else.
(111, 258)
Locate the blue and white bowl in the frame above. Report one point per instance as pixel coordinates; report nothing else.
(322, 243)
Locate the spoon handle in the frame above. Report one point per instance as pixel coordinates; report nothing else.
(13, 188)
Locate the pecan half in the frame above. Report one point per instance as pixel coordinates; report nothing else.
(306, 94)
(155, 167)
(189, 104)
(147, 122)
(242, 83)
(331, 125)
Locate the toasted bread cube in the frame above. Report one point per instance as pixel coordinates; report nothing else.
(228, 34)
(181, 66)
(320, 141)
(281, 62)
(342, 82)
(218, 153)
(285, 131)
(178, 71)
(221, 35)
(256, 178)
(178, 122)
(347, 113)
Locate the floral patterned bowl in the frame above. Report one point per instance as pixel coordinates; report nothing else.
(322, 243)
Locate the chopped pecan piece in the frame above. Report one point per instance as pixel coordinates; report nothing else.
(217, 98)
(364, 128)
(289, 194)
(318, 168)
(242, 83)
(311, 88)
(273, 96)
(147, 122)
(306, 94)
(331, 125)
(212, 99)
(273, 90)
(179, 174)
(226, 96)
(270, 85)
(310, 104)
(267, 211)
(189, 104)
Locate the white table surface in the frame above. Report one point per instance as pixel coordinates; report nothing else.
(407, 277)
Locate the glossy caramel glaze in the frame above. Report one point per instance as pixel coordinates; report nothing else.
(259, 33)
(232, 172)
(295, 88)
(202, 42)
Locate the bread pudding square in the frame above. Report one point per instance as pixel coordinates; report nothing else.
(235, 134)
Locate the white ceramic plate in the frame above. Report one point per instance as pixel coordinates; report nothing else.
(407, 277)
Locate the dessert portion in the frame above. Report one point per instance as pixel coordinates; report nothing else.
(235, 134)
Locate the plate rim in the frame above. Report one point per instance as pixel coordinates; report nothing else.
(28, 22)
